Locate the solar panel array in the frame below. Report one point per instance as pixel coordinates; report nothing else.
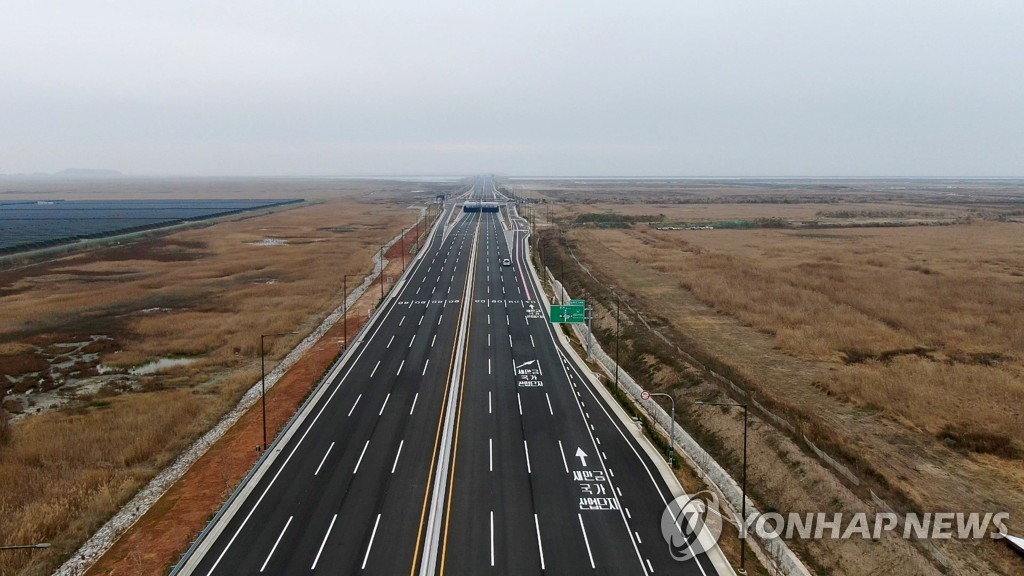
(31, 225)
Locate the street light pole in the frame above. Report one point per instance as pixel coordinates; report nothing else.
(403, 250)
(380, 263)
(263, 381)
(345, 302)
(743, 504)
(671, 427)
(616, 342)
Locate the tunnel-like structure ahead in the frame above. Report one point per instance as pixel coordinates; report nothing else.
(481, 207)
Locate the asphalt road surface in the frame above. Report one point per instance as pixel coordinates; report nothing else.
(460, 438)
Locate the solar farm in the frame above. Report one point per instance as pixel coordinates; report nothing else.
(34, 225)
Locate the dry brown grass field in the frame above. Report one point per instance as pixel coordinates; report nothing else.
(898, 348)
(204, 294)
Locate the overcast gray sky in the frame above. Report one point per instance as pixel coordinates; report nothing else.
(531, 87)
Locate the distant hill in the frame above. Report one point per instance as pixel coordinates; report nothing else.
(88, 173)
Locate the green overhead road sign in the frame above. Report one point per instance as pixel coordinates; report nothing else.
(568, 314)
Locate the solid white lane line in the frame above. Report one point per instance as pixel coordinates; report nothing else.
(361, 454)
(492, 538)
(323, 460)
(414, 399)
(564, 462)
(400, 368)
(490, 454)
(320, 551)
(389, 345)
(278, 541)
(411, 341)
(370, 545)
(354, 404)
(527, 448)
(374, 371)
(540, 546)
(400, 444)
(424, 373)
(520, 399)
(550, 409)
(386, 398)
(586, 540)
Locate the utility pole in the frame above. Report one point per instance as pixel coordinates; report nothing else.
(381, 265)
(403, 249)
(743, 513)
(616, 342)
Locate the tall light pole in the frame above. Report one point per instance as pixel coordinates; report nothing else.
(743, 512)
(380, 262)
(263, 381)
(671, 426)
(403, 249)
(345, 303)
(617, 342)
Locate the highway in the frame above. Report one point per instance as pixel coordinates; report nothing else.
(458, 438)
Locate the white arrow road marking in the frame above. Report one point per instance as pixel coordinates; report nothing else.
(582, 456)
(525, 364)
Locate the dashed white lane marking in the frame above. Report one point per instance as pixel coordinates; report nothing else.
(586, 540)
(492, 538)
(439, 319)
(400, 444)
(527, 448)
(424, 373)
(354, 404)
(638, 539)
(320, 551)
(420, 323)
(490, 454)
(488, 366)
(540, 546)
(386, 398)
(276, 542)
(400, 368)
(370, 545)
(414, 399)
(564, 462)
(628, 515)
(388, 346)
(324, 459)
(374, 371)
(401, 321)
(550, 409)
(649, 567)
(432, 340)
(488, 339)
(520, 399)
(361, 454)
(489, 411)
(411, 341)
(532, 343)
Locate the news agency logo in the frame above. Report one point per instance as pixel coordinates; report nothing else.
(691, 525)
